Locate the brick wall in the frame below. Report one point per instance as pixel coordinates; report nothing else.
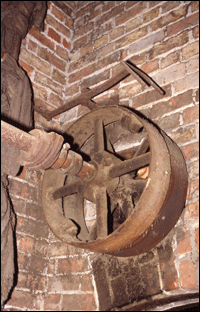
(81, 47)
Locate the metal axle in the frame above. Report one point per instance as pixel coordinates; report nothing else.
(42, 150)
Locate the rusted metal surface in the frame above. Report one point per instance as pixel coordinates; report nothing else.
(41, 150)
(133, 213)
(85, 98)
(16, 137)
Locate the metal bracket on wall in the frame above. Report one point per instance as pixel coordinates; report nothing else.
(85, 98)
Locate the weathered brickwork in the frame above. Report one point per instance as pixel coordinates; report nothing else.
(81, 46)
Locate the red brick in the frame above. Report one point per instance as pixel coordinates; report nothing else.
(51, 267)
(35, 211)
(36, 62)
(57, 26)
(62, 52)
(193, 190)
(55, 100)
(192, 211)
(168, 270)
(171, 74)
(110, 47)
(58, 76)
(57, 13)
(130, 38)
(108, 6)
(23, 261)
(81, 302)
(72, 265)
(150, 15)
(86, 283)
(41, 248)
(82, 73)
(169, 18)
(39, 92)
(117, 10)
(150, 66)
(127, 15)
(190, 50)
(39, 299)
(169, 5)
(129, 4)
(60, 283)
(132, 24)
(170, 59)
(112, 58)
(151, 96)
(38, 264)
(184, 135)
(197, 239)
(117, 32)
(54, 35)
(153, 3)
(32, 46)
(22, 299)
(182, 84)
(101, 42)
(183, 241)
(195, 32)
(80, 4)
(169, 122)
(169, 44)
(187, 275)
(61, 249)
(195, 6)
(23, 189)
(43, 105)
(26, 244)
(88, 8)
(51, 58)
(69, 23)
(190, 114)
(41, 38)
(72, 90)
(86, 49)
(47, 82)
(19, 205)
(79, 42)
(191, 150)
(189, 21)
(67, 9)
(88, 82)
(95, 13)
(52, 302)
(83, 30)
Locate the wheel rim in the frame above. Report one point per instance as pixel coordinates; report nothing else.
(152, 213)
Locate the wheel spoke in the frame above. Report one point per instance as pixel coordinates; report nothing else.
(129, 165)
(143, 147)
(98, 135)
(102, 213)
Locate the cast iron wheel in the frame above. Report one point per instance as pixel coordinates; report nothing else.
(133, 212)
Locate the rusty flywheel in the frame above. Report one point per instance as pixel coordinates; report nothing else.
(134, 211)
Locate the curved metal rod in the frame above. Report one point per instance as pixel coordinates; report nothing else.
(102, 213)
